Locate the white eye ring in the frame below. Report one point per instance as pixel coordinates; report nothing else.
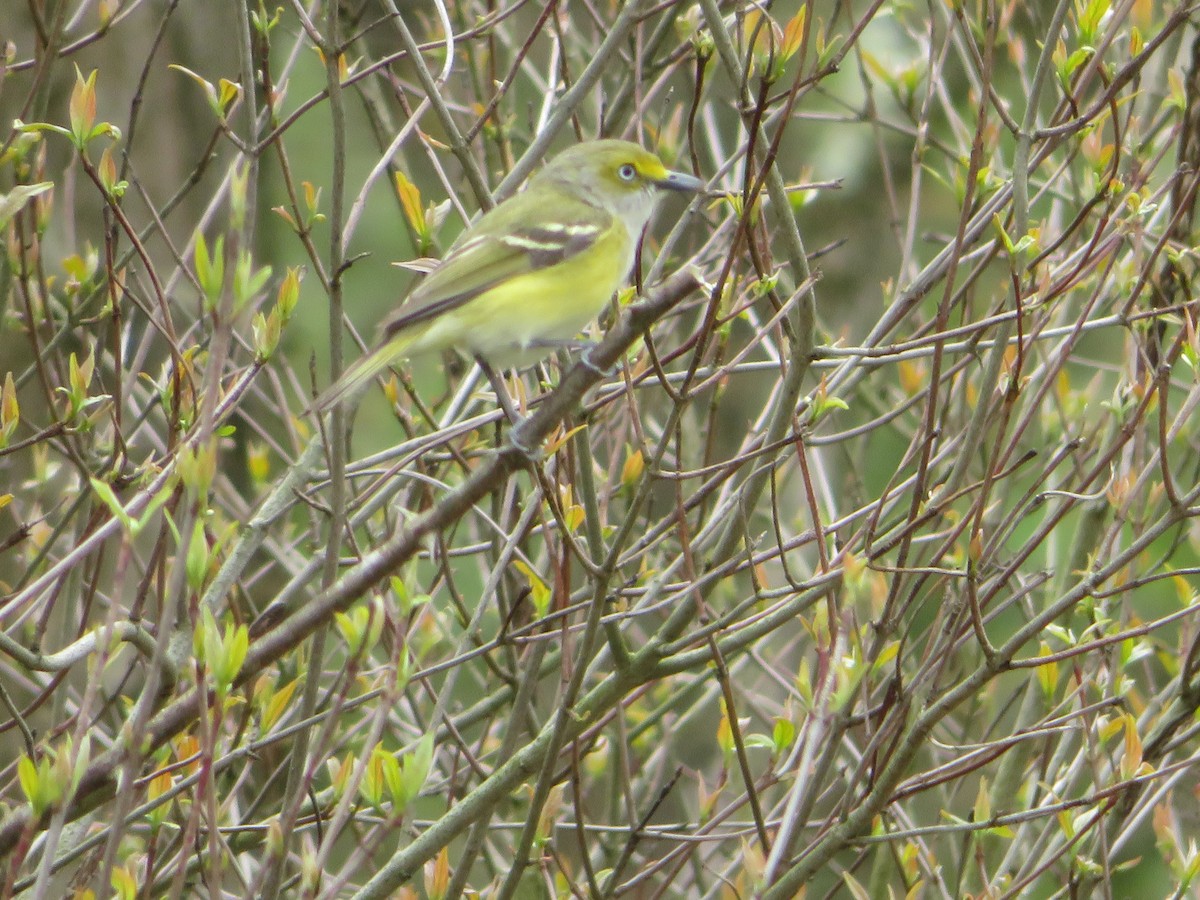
(627, 172)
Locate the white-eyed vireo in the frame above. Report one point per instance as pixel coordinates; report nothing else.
(532, 272)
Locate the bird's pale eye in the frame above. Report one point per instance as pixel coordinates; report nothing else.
(627, 172)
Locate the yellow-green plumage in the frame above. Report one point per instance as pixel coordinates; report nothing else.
(533, 271)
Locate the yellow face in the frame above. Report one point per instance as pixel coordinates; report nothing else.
(619, 176)
(621, 166)
(630, 167)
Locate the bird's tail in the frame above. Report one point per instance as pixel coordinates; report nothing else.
(360, 372)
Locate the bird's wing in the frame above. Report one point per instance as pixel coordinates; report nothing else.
(495, 250)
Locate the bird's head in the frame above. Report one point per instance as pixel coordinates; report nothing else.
(618, 175)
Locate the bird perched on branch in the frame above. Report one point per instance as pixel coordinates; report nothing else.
(531, 273)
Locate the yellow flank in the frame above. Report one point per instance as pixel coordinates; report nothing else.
(531, 308)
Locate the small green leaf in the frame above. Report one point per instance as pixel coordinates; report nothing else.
(83, 108)
(105, 492)
(210, 269)
(210, 92)
(14, 201)
(10, 410)
(197, 558)
(289, 293)
(782, 735)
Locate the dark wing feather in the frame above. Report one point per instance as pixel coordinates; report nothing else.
(519, 236)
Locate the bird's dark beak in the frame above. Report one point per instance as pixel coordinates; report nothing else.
(678, 181)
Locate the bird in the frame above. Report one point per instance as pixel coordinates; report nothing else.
(533, 271)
